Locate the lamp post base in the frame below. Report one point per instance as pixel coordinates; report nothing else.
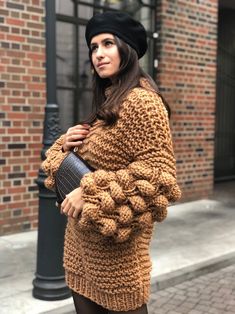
(50, 289)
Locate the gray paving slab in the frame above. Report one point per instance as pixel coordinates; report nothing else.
(193, 233)
(17, 267)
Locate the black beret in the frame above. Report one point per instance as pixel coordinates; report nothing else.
(120, 24)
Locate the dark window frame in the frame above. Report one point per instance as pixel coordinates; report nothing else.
(77, 21)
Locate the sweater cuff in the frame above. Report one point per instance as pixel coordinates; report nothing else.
(50, 165)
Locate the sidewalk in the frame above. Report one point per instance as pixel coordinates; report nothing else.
(196, 238)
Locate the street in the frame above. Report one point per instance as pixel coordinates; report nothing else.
(213, 293)
(195, 233)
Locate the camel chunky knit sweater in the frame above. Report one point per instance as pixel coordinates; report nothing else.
(106, 253)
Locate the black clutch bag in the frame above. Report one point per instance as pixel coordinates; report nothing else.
(69, 175)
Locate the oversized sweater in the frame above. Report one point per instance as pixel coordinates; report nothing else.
(106, 252)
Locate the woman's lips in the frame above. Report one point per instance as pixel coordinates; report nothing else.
(99, 65)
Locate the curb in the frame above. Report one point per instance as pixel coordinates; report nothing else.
(173, 278)
(187, 273)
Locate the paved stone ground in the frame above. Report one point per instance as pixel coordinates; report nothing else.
(213, 293)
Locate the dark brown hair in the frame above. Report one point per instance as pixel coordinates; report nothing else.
(128, 77)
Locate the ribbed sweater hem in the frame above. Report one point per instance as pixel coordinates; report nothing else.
(112, 301)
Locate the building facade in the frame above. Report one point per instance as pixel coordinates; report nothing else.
(191, 57)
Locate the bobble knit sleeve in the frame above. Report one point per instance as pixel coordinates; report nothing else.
(120, 203)
(54, 157)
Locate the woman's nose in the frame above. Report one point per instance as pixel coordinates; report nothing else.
(99, 52)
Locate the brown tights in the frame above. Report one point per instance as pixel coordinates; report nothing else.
(86, 306)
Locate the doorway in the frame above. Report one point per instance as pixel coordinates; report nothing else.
(225, 97)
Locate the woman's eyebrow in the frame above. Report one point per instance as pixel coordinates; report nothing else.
(102, 41)
(92, 44)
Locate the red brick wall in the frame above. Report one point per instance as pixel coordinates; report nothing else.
(186, 49)
(22, 101)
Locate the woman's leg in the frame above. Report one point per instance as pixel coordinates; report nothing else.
(86, 306)
(141, 310)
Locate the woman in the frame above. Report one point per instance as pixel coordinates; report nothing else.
(128, 142)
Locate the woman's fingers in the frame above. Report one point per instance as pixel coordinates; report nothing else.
(65, 206)
(80, 133)
(72, 204)
(71, 211)
(75, 135)
(73, 144)
(79, 127)
(76, 212)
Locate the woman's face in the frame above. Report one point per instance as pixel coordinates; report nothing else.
(105, 55)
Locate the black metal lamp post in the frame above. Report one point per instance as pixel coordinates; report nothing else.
(49, 283)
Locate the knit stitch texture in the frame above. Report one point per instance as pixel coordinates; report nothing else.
(106, 254)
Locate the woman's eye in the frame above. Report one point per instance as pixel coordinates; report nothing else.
(108, 43)
(93, 48)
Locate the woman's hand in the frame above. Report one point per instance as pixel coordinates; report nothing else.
(75, 135)
(73, 203)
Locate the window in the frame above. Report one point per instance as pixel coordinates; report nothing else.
(74, 75)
